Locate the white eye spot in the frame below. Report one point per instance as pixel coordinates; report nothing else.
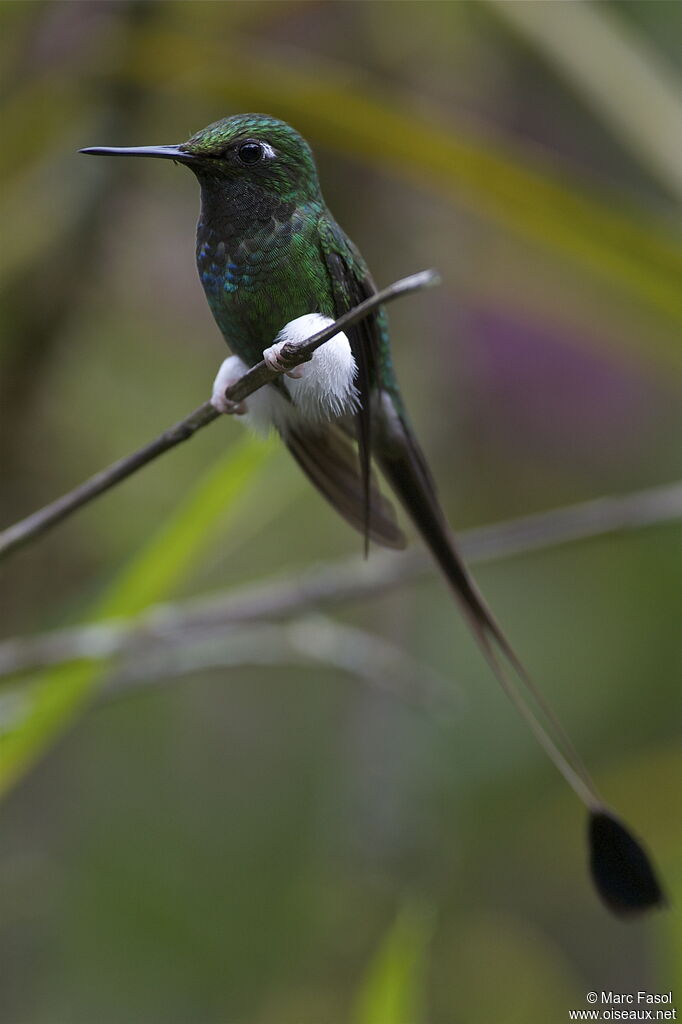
(268, 151)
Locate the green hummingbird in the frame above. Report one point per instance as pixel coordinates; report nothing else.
(276, 267)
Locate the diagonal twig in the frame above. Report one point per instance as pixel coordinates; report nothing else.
(293, 354)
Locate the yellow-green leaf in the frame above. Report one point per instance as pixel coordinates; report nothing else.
(393, 989)
(56, 697)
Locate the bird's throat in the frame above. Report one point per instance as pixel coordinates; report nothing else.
(252, 252)
(237, 210)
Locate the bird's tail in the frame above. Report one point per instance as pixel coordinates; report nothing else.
(620, 868)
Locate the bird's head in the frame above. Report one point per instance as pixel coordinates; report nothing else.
(253, 148)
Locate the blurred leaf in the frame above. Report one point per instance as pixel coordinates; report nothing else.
(622, 77)
(153, 574)
(49, 221)
(393, 990)
(501, 969)
(33, 120)
(535, 197)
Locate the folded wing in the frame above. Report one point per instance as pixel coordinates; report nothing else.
(330, 462)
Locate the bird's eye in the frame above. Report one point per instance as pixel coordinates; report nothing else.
(250, 152)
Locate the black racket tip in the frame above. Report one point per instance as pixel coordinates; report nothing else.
(621, 869)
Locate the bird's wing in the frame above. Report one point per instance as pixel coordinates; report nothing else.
(351, 283)
(329, 460)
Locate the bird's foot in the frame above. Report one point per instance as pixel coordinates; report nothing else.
(278, 361)
(231, 369)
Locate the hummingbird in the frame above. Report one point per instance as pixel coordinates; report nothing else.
(276, 268)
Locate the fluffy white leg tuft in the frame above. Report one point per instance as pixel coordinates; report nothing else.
(321, 389)
(231, 369)
(266, 408)
(325, 386)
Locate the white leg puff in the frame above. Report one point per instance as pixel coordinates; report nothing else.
(266, 408)
(319, 390)
(231, 369)
(324, 387)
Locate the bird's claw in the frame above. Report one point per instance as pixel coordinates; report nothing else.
(226, 406)
(274, 358)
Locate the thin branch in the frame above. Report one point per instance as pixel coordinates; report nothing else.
(305, 641)
(174, 625)
(292, 355)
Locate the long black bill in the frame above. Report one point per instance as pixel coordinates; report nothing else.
(160, 152)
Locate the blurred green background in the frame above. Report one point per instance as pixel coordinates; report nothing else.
(280, 840)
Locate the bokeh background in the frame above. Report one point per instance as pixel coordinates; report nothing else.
(339, 818)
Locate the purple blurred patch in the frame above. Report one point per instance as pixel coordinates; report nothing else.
(547, 383)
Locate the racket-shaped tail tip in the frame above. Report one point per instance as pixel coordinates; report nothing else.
(621, 869)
